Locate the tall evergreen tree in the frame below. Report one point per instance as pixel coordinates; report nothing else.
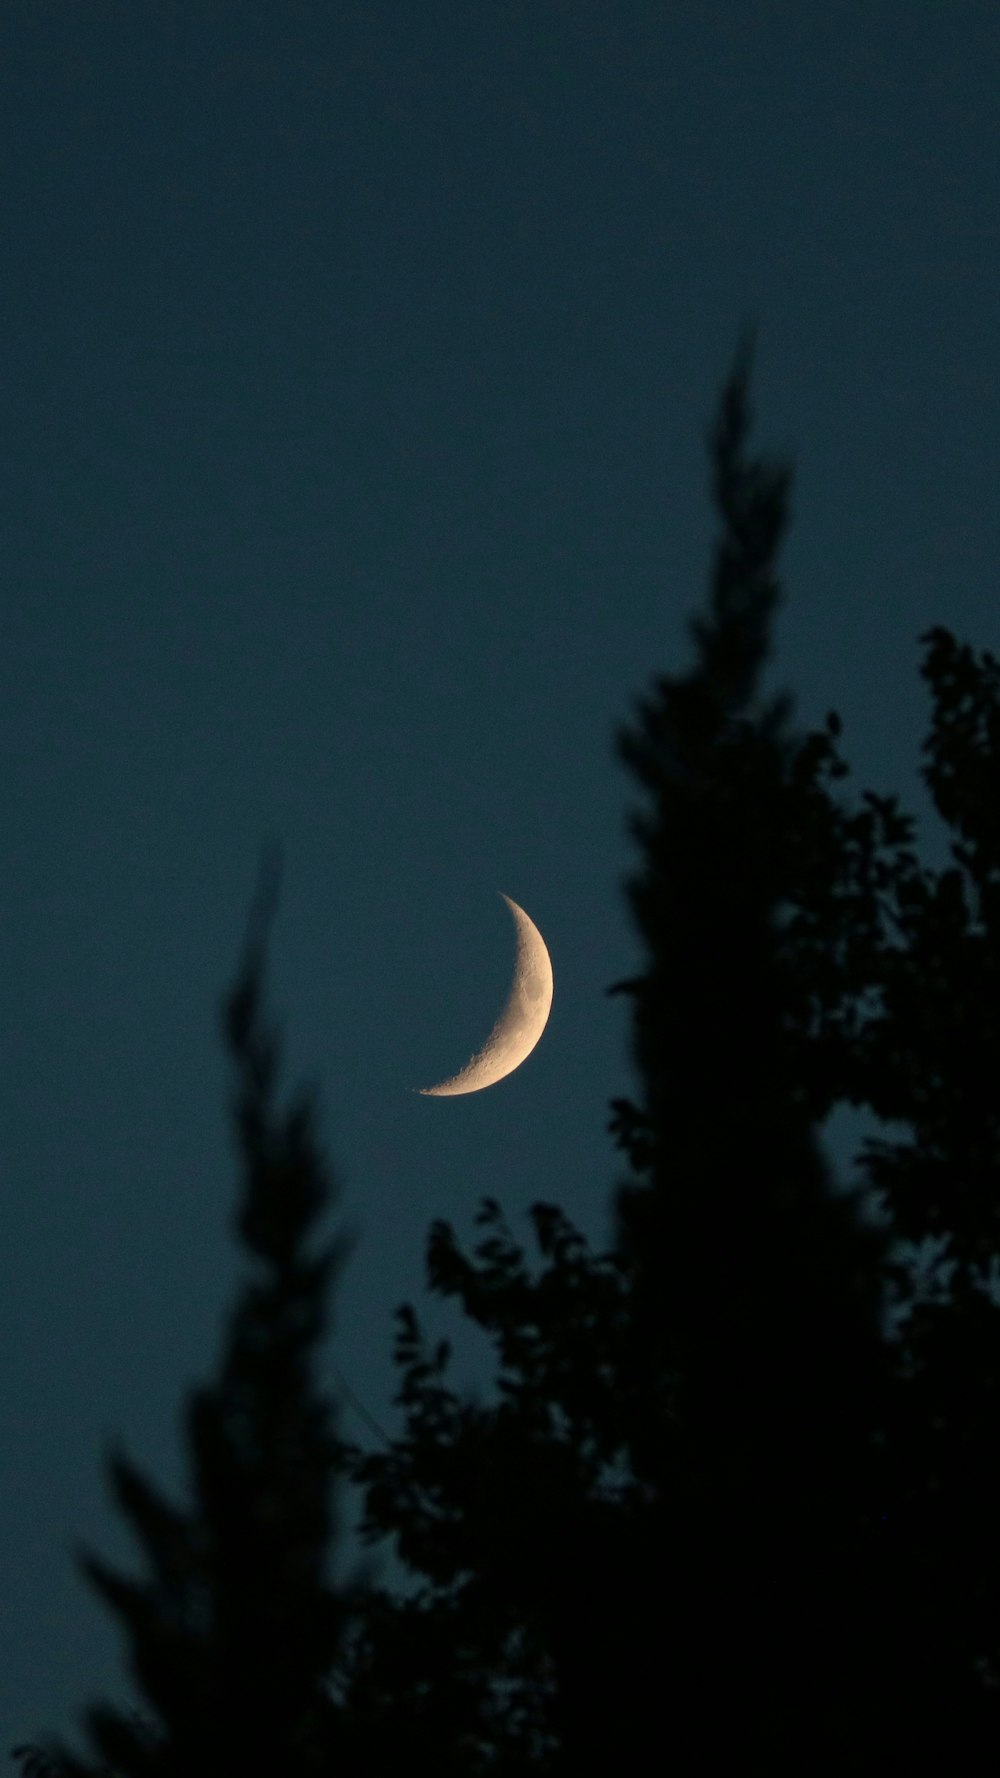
(235, 1631)
(756, 1287)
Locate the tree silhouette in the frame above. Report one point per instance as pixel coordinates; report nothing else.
(235, 1632)
(926, 1054)
(755, 1288)
(718, 1512)
(763, 906)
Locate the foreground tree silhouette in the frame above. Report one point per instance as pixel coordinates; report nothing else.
(717, 1513)
(235, 1632)
(767, 914)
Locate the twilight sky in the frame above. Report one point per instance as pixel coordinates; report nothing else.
(357, 361)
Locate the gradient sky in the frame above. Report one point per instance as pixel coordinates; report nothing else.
(357, 361)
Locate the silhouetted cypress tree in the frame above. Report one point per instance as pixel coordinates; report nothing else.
(235, 1631)
(755, 1288)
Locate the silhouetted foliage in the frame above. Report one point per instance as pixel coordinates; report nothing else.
(718, 1515)
(235, 1632)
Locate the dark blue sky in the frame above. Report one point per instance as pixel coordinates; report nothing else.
(357, 362)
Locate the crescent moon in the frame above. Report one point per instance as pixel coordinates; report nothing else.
(521, 1022)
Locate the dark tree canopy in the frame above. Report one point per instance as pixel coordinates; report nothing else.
(717, 1513)
(710, 1509)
